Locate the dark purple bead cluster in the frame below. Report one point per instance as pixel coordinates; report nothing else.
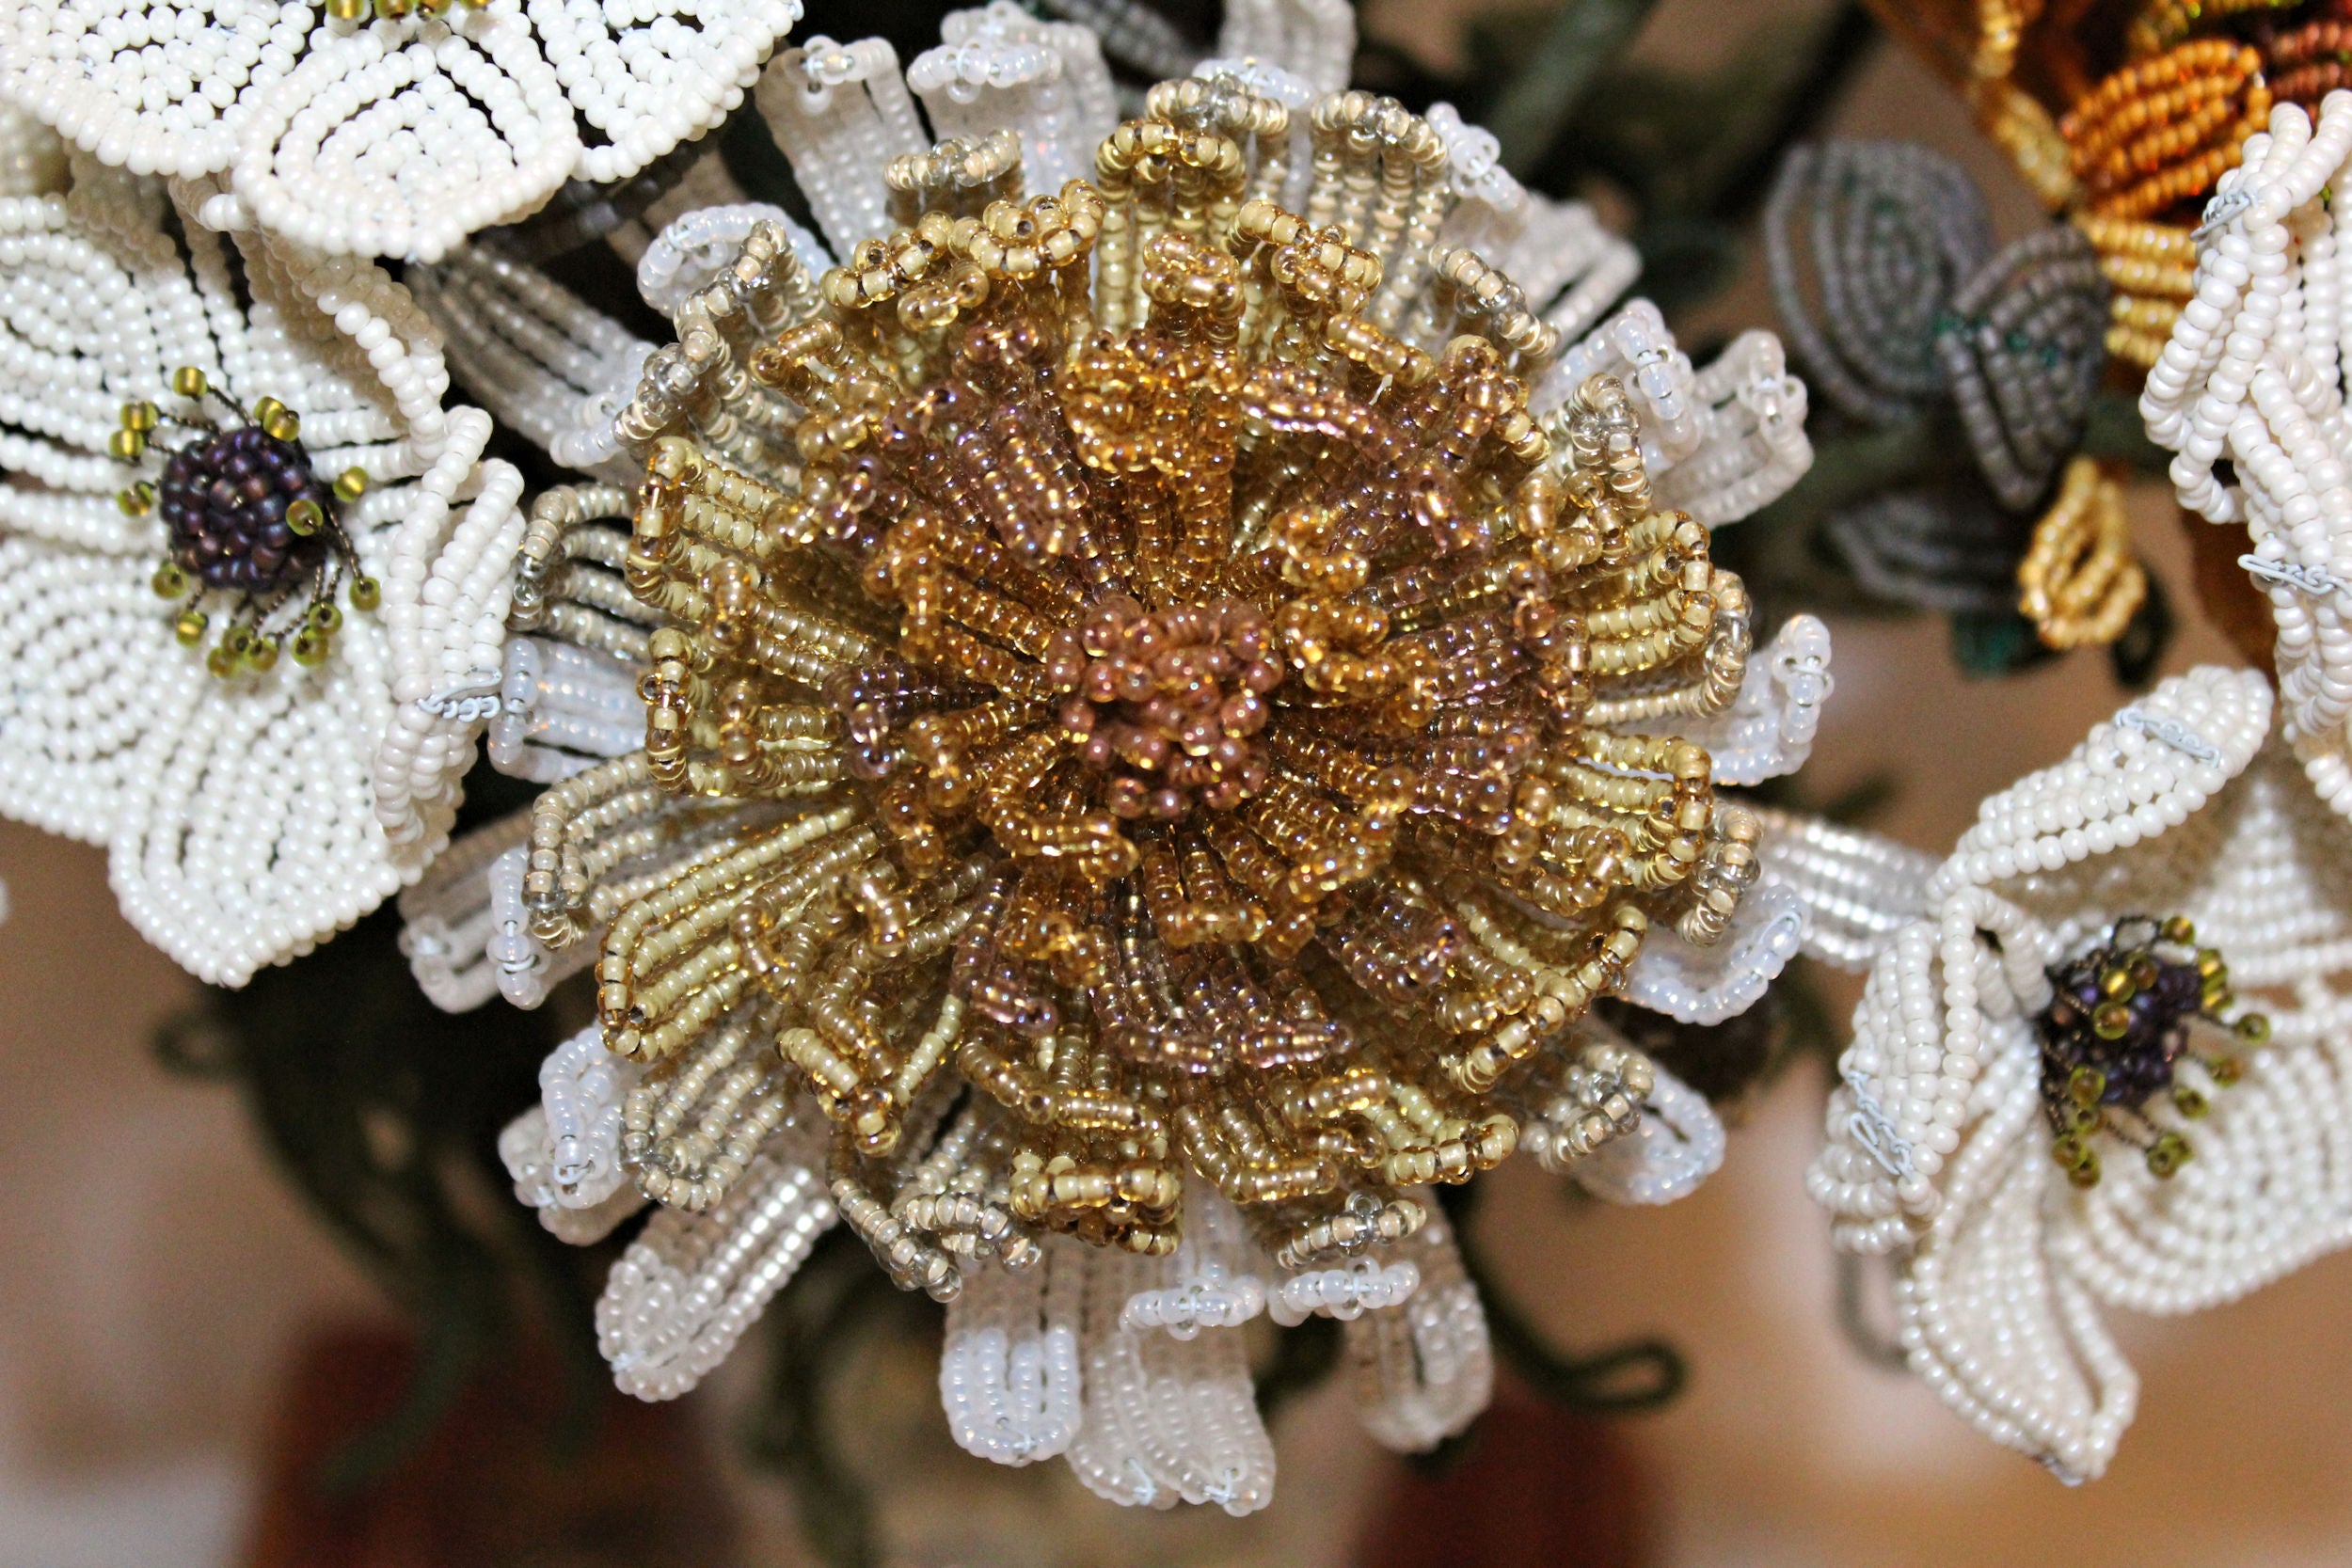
(2136, 1063)
(224, 499)
(2118, 1023)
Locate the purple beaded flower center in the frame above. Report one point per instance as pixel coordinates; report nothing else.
(224, 501)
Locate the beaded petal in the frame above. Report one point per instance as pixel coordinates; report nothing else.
(1939, 1150)
(251, 816)
(392, 135)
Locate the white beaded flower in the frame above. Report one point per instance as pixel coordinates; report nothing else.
(2254, 376)
(1941, 1140)
(397, 135)
(1128, 1367)
(251, 816)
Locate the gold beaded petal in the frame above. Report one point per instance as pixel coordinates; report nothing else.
(1193, 724)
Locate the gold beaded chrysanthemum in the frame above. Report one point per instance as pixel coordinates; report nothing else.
(1196, 731)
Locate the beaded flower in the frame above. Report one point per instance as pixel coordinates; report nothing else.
(2252, 400)
(394, 128)
(1161, 708)
(2038, 1122)
(252, 805)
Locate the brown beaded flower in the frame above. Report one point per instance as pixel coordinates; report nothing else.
(1191, 727)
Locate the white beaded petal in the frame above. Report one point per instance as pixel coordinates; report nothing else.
(536, 356)
(447, 921)
(1166, 1420)
(528, 1154)
(1938, 1150)
(391, 136)
(1720, 443)
(1707, 985)
(1569, 267)
(2254, 375)
(690, 1283)
(1679, 1144)
(1768, 728)
(243, 815)
(840, 113)
(691, 250)
(1312, 39)
(1423, 1372)
(1008, 1375)
(1001, 68)
(1858, 888)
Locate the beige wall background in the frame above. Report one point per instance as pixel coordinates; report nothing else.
(153, 1271)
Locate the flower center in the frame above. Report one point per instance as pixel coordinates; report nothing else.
(2115, 1032)
(244, 515)
(231, 504)
(1168, 700)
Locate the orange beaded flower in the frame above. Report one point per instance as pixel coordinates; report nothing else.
(2159, 132)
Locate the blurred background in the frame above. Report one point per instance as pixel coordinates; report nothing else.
(186, 1351)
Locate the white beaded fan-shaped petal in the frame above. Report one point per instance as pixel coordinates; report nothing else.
(1423, 1372)
(692, 1283)
(1679, 1144)
(1167, 1419)
(693, 248)
(401, 138)
(2137, 775)
(1008, 1375)
(1768, 728)
(1314, 39)
(1858, 888)
(1707, 985)
(529, 349)
(391, 136)
(673, 72)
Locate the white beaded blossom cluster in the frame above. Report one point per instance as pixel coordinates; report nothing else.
(1131, 1368)
(248, 817)
(1939, 1150)
(2254, 376)
(396, 133)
